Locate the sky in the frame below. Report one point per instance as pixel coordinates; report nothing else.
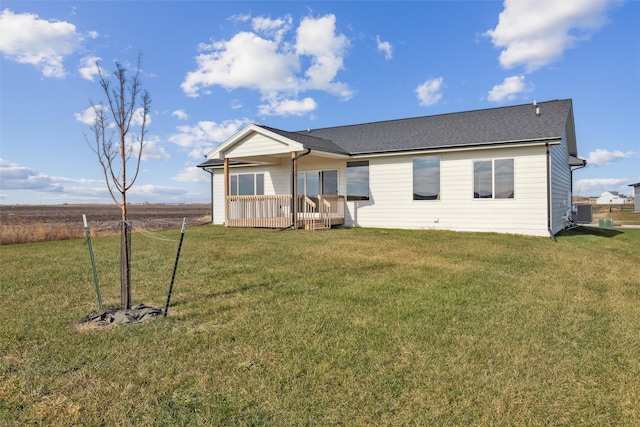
(212, 67)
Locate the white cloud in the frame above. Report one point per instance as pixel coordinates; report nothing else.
(534, 33)
(385, 47)
(244, 61)
(287, 107)
(205, 135)
(16, 177)
(88, 68)
(88, 116)
(181, 114)
(150, 191)
(430, 92)
(596, 186)
(27, 39)
(152, 150)
(601, 157)
(192, 174)
(239, 18)
(138, 116)
(317, 38)
(275, 28)
(508, 89)
(271, 65)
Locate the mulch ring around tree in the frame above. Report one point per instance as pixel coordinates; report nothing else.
(117, 316)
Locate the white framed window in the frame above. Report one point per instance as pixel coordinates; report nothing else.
(426, 178)
(246, 184)
(358, 180)
(494, 179)
(313, 183)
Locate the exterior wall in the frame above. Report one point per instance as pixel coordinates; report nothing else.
(391, 203)
(636, 198)
(607, 198)
(560, 186)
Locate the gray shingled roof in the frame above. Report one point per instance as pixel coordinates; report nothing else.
(470, 128)
(500, 125)
(308, 140)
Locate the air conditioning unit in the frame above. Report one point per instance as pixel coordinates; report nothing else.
(582, 214)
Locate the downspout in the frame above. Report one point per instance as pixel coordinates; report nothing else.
(549, 195)
(293, 186)
(211, 173)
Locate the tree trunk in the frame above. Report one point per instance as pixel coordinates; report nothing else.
(125, 260)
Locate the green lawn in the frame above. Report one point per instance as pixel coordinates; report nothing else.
(337, 327)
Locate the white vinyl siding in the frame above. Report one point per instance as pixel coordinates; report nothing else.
(391, 203)
(257, 145)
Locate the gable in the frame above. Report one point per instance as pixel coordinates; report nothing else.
(254, 141)
(257, 144)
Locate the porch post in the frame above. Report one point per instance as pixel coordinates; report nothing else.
(294, 189)
(226, 191)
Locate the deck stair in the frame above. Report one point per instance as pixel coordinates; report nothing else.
(316, 224)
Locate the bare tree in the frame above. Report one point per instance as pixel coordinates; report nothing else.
(128, 106)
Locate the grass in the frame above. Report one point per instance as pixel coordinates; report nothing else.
(621, 214)
(344, 326)
(24, 232)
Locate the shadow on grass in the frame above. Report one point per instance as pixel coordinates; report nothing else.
(589, 231)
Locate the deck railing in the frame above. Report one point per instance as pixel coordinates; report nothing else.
(274, 211)
(269, 211)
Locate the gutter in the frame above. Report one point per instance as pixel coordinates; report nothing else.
(516, 143)
(293, 186)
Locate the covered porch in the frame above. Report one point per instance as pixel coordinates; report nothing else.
(257, 171)
(275, 211)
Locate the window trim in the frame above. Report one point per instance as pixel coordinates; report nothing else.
(257, 183)
(355, 164)
(302, 176)
(413, 177)
(493, 178)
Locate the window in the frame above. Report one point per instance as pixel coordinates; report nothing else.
(246, 184)
(493, 179)
(318, 182)
(358, 180)
(426, 178)
(504, 179)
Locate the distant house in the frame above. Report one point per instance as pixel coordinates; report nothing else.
(506, 170)
(611, 198)
(636, 196)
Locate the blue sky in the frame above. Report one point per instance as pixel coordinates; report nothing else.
(212, 67)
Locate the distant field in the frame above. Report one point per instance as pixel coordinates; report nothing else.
(34, 223)
(621, 214)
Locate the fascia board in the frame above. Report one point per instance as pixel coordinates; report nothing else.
(443, 149)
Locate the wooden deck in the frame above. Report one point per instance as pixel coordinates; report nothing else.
(274, 211)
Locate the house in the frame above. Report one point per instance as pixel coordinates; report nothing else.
(636, 196)
(611, 198)
(506, 170)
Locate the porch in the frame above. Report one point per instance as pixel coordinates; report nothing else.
(275, 211)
